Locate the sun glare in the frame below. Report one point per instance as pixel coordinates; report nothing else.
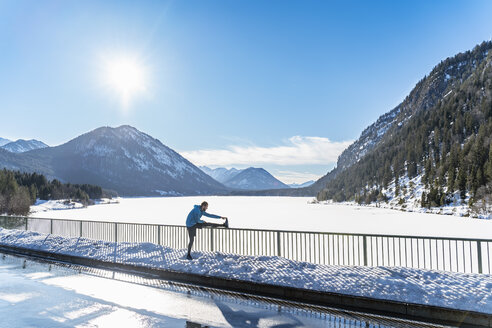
(125, 77)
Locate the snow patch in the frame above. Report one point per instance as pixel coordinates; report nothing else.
(66, 204)
(52, 205)
(168, 193)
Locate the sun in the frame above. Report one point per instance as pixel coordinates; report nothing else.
(125, 77)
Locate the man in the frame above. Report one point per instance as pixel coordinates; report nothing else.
(193, 222)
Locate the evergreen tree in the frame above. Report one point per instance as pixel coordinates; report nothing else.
(423, 200)
(488, 165)
(20, 190)
(461, 181)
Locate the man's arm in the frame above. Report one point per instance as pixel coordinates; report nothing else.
(212, 215)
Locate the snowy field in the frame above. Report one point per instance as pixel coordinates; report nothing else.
(278, 213)
(463, 291)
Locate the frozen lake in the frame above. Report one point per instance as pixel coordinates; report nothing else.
(280, 213)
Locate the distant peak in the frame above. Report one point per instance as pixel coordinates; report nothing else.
(22, 145)
(122, 131)
(251, 168)
(126, 127)
(118, 128)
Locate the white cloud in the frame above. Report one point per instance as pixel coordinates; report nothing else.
(297, 150)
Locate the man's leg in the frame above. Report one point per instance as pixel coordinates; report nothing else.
(191, 234)
(209, 224)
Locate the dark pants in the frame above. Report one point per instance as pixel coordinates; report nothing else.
(192, 232)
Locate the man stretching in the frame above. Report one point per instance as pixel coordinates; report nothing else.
(193, 222)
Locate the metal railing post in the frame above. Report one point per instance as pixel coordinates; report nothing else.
(365, 250)
(26, 222)
(279, 253)
(479, 254)
(51, 226)
(158, 234)
(115, 242)
(211, 239)
(80, 228)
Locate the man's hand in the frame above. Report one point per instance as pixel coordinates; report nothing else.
(226, 222)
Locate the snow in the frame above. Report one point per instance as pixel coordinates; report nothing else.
(284, 213)
(161, 154)
(165, 193)
(410, 197)
(383, 130)
(100, 150)
(221, 174)
(42, 206)
(21, 145)
(472, 292)
(141, 162)
(58, 296)
(52, 205)
(4, 141)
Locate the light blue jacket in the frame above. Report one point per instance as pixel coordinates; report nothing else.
(195, 215)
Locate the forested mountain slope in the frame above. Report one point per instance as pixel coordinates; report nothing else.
(441, 133)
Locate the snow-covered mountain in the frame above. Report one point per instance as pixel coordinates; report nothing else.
(301, 185)
(220, 174)
(21, 145)
(254, 179)
(245, 179)
(123, 159)
(4, 141)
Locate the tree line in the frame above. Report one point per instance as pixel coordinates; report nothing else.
(19, 190)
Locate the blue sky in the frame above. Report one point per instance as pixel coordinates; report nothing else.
(285, 85)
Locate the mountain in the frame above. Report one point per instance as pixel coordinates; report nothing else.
(220, 174)
(4, 141)
(301, 185)
(122, 159)
(425, 95)
(250, 179)
(25, 162)
(254, 179)
(431, 146)
(21, 145)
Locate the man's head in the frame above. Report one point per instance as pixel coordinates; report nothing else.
(204, 206)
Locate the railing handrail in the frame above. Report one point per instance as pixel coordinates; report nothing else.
(267, 230)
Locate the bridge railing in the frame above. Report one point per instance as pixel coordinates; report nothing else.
(438, 253)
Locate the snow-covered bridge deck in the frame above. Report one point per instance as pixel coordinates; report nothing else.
(51, 294)
(458, 291)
